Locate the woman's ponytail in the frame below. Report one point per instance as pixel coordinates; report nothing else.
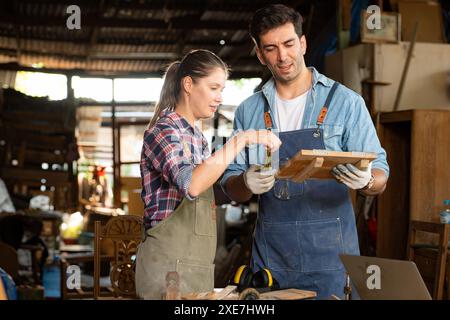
(169, 92)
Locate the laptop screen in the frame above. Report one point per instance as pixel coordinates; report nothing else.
(385, 279)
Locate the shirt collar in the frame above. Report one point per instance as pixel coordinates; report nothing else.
(316, 78)
(180, 122)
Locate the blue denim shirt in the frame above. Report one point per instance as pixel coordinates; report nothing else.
(347, 127)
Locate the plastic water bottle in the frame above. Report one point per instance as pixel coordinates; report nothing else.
(445, 215)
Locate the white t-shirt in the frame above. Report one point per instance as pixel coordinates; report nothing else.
(289, 113)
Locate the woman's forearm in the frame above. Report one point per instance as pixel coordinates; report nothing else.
(207, 173)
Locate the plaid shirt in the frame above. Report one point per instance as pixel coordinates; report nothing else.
(171, 149)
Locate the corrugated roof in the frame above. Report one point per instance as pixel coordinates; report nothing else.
(120, 36)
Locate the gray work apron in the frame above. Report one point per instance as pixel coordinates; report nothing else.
(300, 238)
(184, 242)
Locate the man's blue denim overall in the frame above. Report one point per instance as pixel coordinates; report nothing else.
(300, 239)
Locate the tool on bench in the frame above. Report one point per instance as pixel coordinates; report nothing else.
(261, 280)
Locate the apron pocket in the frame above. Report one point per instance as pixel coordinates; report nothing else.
(284, 187)
(282, 247)
(195, 277)
(321, 242)
(204, 223)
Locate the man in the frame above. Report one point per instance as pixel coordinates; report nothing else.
(303, 227)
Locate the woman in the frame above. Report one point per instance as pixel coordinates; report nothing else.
(177, 177)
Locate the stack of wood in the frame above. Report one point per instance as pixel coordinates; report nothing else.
(38, 147)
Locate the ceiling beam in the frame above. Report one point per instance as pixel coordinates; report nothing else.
(236, 74)
(90, 48)
(79, 72)
(183, 5)
(162, 57)
(178, 23)
(135, 42)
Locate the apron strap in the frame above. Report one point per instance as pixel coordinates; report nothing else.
(267, 117)
(320, 119)
(323, 112)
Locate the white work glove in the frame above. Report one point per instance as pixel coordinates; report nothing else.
(351, 176)
(259, 181)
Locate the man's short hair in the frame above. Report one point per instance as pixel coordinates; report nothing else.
(273, 16)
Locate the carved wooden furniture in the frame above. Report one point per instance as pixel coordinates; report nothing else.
(432, 261)
(125, 232)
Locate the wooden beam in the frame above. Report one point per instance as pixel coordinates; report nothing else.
(136, 42)
(96, 56)
(240, 70)
(309, 170)
(90, 49)
(24, 175)
(180, 23)
(185, 5)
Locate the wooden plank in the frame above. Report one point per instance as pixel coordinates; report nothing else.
(430, 156)
(363, 164)
(418, 154)
(229, 293)
(222, 295)
(393, 204)
(388, 117)
(44, 127)
(429, 16)
(352, 65)
(295, 166)
(33, 156)
(309, 170)
(24, 175)
(34, 139)
(288, 294)
(428, 62)
(26, 116)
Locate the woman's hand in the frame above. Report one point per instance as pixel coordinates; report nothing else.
(265, 137)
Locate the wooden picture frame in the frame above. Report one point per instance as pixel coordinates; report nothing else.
(317, 164)
(390, 28)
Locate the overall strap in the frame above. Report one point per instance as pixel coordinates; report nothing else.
(323, 112)
(267, 117)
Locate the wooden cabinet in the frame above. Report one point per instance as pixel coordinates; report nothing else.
(417, 143)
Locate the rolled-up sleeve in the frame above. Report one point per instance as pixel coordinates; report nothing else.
(240, 163)
(164, 151)
(361, 135)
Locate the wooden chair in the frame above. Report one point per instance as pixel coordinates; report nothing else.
(431, 260)
(125, 234)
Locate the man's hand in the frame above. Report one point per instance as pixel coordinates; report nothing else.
(259, 182)
(351, 176)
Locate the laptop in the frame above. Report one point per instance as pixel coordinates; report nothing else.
(385, 279)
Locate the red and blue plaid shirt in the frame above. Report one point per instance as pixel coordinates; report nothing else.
(171, 150)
